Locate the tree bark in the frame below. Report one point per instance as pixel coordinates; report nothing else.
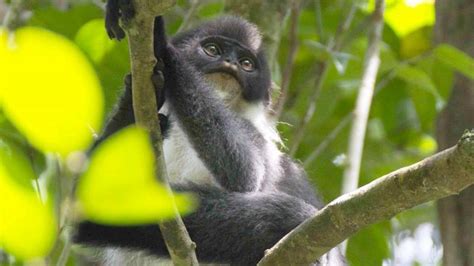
(454, 20)
(142, 58)
(440, 175)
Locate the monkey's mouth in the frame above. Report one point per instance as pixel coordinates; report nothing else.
(225, 85)
(228, 69)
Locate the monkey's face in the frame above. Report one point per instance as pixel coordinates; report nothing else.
(232, 68)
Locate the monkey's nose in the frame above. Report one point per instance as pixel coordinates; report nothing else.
(230, 59)
(230, 64)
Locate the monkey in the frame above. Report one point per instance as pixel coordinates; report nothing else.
(219, 143)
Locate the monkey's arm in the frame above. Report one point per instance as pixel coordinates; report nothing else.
(230, 146)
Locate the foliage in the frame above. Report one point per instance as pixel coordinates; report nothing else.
(115, 198)
(65, 77)
(28, 220)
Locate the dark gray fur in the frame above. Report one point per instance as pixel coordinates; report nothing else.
(242, 216)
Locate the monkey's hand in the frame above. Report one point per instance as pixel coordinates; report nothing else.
(115, 10)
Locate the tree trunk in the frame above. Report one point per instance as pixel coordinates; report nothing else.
(454, 20)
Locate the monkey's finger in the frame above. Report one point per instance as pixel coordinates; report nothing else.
(159, 37)
(112, 15)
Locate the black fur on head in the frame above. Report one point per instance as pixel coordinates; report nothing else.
(255, 85)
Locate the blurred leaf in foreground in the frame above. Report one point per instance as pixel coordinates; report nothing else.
(120, 185)
(93, 40)
(27, 226)
(49, 91)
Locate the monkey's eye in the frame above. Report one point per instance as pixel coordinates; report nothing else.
(247, 64)
(212, 49)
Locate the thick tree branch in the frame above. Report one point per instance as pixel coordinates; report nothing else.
(140, 37)
(438, 176)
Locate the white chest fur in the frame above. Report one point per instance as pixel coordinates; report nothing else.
(182, 161)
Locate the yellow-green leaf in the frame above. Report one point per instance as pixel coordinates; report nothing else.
(120, 185)
(405, 16)
(27, 226)
(93, 40)
(49, 90)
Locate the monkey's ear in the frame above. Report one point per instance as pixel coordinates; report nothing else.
(159, 37)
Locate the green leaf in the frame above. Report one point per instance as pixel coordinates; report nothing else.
(441, 74)
(93, 40)
(369, 246)
(418, 78)
(49, 90)
(27, 226)
(67, 22)
(120, 185)
(424, 94)
(456, 59)
(211, 9)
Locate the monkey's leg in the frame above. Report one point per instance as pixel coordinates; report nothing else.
(227, 227)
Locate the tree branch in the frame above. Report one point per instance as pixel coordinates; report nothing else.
(364, 101)
(438, 176)
(140, 38)
(330, 137)
(334, 45)
(290, 60)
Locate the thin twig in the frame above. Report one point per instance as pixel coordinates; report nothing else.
(65, 194)
(290, 60)
(319, 20)
(443, 174)
(364, 100)
(350, 180)
(13, 14)
(334, 45)
(189, 15)
(301, 128)
(66, 251)
(332, 135)
(346, 119)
